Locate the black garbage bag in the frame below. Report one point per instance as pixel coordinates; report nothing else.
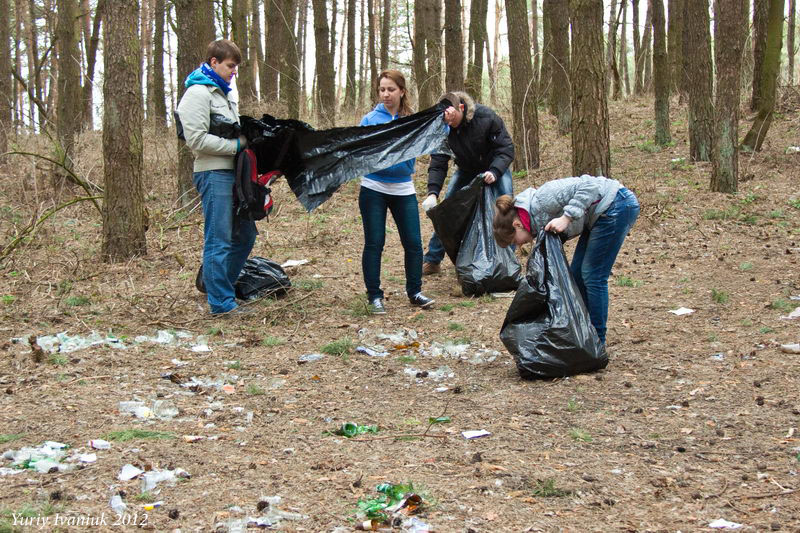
(317, 162)
(452, 217)
(481, 265)
(547, 327)
(259, 278)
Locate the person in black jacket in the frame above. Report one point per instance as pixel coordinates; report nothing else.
(481, 145)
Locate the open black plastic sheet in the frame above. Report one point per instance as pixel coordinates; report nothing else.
(547, 327)
(317, 162)
(452, 217)
(483, 266)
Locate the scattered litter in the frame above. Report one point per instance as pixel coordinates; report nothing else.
(178, 362)
(509, 294)
(129, 472)
(294, 262)
(193, 438)
(271, 518)
(370, 352)
(161, 409)
(44, 459)
(793, 149)
(65, 343)
(117, 505)
(454, 350)
(441, 389)
(718, 356)
(794, 314)
(475, 433)
(351, 429)
(724, 524)
(790, 348)
(309, 358)
(154, 505)
(194, 383)
(87, 458)
(795, 297)
(396, 502)
(4, 471)
(154, 477)
(441, 373)
(681, 311)
(228, 389)
(99, 444)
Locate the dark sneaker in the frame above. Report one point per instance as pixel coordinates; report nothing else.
(430, 268)
(376, 307)
(420, 300)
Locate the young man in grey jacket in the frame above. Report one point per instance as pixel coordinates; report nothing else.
(209, 115)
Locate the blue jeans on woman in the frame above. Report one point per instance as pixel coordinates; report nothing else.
(459, 180)
(373, 206)
(227, 240)
(596, 252)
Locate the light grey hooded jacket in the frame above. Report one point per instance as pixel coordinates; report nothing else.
(583, 199)
(195, 108)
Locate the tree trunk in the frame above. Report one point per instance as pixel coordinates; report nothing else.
(637, 50)
(771, 69)
(350, 85)
(675, 44)
(195, 29)
(623, 51)
(6, 99)
(453, 47)
(290, 62)
(701, 104)
(68, 122)
(275, 29)
(647, 40)
(386, 22)
(245, 81)
(546, 72)
(660, 75)
(159, 98)
(302, 29)
(790, 43)
(523, 89)
(535, 40)
(326, 99)
(146, 40)
(371, 55)
(363, 84)
(495, 61)
(590, 135)
(478, 10)
(729, 21)
(433, 48)
(257, 55)
(559, 46)
(760, 16)
(32, 46)
(124, 218)
(611, 51)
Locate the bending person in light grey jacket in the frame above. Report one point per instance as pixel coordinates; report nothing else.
(599, 210)
(209, 115)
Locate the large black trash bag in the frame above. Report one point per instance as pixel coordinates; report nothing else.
(259, 278)
(452, 217)
(547, 327)
(317, 162)
(481, 265)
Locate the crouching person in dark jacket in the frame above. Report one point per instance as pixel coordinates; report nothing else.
(481, 145)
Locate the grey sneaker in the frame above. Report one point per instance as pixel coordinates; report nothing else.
(420, 300)
(376, 307)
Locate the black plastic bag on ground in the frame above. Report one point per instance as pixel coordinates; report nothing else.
(317, 162)
(259, 278)
(481, 265)
(547, 327)
(451, 218)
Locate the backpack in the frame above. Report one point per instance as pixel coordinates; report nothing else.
(251, 193)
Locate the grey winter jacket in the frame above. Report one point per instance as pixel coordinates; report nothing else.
(583, 199)
(195, 108)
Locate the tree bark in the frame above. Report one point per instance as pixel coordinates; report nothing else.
(195, 29)
(245, 81)
(637, 50)
(386, 22)
(159, 113)
(350, 85)
(623, 51)
(124, 218)
(326, 99)
(523, 89)
(701, 104)
(729, 21)
(275, 28)
(290, 61)
(535, 40)
(6, 98)
(561, 105)
(675, 44)
(760, 16)
(590, 135)
(771, 69)
(257, 55)
(453, 46)
(647, 52)
(790, 43)
(68, 122)
(371, 55)
(478, 10)
(661, 75)
(611, 51)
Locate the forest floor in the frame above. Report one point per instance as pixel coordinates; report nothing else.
(695, 418)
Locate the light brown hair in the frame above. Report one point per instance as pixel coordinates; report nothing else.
(223, 49)
(397, 77)
(503, 224)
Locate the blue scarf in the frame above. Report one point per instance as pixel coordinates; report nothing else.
(205, 75)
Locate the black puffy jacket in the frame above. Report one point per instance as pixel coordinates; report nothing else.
(480, 144)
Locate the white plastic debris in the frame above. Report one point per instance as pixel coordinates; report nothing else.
(309, 358)
(791, 316)
(129, 472)
(99, 444)
(117, 505)
(87, 458)
(793, 149)
(294, 262)
(790, 348)
(475, 433)
(370, 352)
(682, 311)
(724, 524)
(154, 477)
(43, 458)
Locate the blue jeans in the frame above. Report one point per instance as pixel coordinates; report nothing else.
(227, 241)
(460, 179)
(596, 252)
(373, 206)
